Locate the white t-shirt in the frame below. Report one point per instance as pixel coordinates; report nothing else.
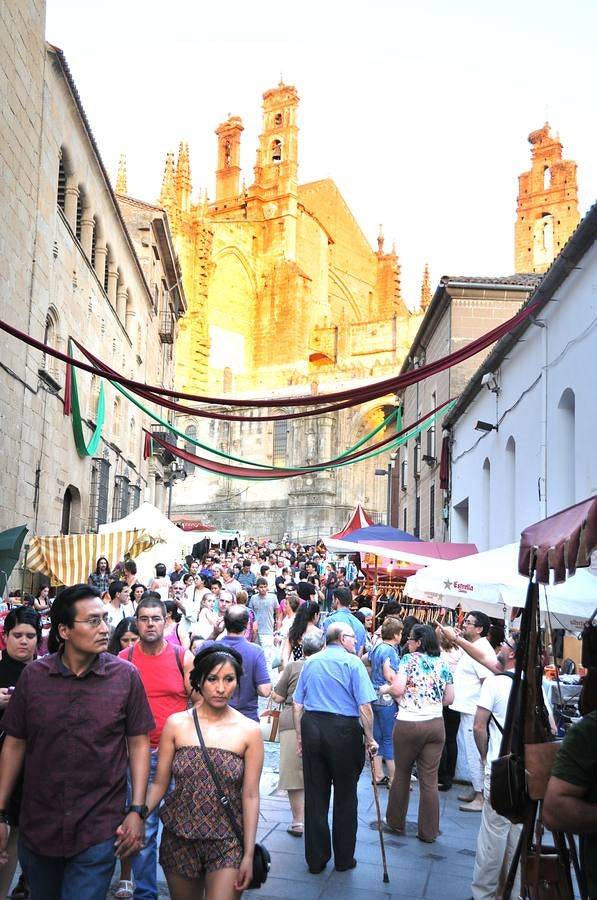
(468, 676)
(117, 615)
(495, 693)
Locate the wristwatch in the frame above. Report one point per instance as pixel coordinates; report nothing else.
(140, 810)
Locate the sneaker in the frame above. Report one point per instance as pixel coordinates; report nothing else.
(472, 806)
(466, 798)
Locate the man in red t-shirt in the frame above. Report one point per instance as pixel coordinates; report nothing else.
(164, 671)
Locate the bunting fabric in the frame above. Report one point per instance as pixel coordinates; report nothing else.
(69, 559)
(319, 403)
(83, 449)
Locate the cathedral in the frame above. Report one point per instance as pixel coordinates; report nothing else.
(285, 295)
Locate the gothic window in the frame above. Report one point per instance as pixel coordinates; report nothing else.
(277, 151)
(280, 443)
(546, 178)
(417, 528)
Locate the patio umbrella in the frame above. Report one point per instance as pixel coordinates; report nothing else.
(11, 542)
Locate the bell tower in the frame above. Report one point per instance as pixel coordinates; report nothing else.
(547, 210)
(276, 169)
(228, 171)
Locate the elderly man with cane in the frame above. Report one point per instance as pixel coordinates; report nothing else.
(332, 709)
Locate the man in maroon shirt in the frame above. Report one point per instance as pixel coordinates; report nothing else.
(76, 718)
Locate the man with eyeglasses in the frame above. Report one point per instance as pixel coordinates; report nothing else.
(164, 670)
(79, 716)
(332, 711)
(498, 837)
(469, 675)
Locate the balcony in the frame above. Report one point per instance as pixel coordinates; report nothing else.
(166, 327)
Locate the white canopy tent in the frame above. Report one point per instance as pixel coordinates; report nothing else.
(490, 582)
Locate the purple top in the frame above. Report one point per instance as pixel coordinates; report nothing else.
(255, 672)
(75, 730)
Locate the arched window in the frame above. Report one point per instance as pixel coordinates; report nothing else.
(61, 189)
(277, 151)
(80, 202)
(546, 178)
(561, 489)
(510, 490)
(132, 437)
(190, 431)
(108, 264)
(280, 443)
(71, 511)
(93, 244)
(486, 505)
(51, 339)
(116, 418)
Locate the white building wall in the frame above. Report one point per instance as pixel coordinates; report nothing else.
(555, 464)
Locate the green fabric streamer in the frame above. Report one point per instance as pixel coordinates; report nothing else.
(84, 449)
(190, 440)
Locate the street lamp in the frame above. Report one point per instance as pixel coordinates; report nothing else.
(388, 472)
(177, 473)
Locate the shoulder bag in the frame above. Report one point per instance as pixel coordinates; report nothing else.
(261, 855)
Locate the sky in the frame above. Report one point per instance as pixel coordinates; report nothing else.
(419, 111)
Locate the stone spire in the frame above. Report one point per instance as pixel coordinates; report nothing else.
(121, 176)
(380, 240)
(183, 178)
(425, 289)
(168, 192)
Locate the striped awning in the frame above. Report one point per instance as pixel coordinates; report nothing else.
(69, 559)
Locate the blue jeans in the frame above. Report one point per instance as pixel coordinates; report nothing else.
(86, 876)
(384, 719)
(145, 863)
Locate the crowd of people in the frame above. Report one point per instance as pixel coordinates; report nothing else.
(145, 689)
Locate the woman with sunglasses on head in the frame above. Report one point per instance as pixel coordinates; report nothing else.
(422, 686)
(22, 630)
(200, 852)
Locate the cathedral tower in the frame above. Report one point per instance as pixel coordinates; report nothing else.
(276, 170)
(547, 210)
(228, 171)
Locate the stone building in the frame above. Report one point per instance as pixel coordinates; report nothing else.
(547, 208)
(70, 267)
(286, 296)
(462, 309)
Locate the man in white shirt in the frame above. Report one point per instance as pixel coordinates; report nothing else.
(468, 678)
(119, 606)
(498, 837)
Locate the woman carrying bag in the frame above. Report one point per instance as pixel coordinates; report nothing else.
(212, 751)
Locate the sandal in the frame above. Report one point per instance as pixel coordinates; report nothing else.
(383, 782)
(296, 829)
(125, 890)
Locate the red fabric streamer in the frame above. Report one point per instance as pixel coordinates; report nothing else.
(147, 446)
(341, 399)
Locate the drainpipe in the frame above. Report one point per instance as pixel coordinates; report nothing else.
(542, 478)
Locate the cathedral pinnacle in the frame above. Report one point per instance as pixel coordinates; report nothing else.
(168, 192)
(380, 240)
(425, 289)
(183, 178)
(121, 176)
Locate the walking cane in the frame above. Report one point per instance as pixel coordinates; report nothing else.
(386, 877)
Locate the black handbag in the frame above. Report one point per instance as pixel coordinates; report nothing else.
(261, 857)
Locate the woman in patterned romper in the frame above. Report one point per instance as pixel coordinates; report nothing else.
(199, 851)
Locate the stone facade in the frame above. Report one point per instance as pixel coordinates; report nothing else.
(285, 296)
(461, 310)
(547, 209)
(69, 268)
